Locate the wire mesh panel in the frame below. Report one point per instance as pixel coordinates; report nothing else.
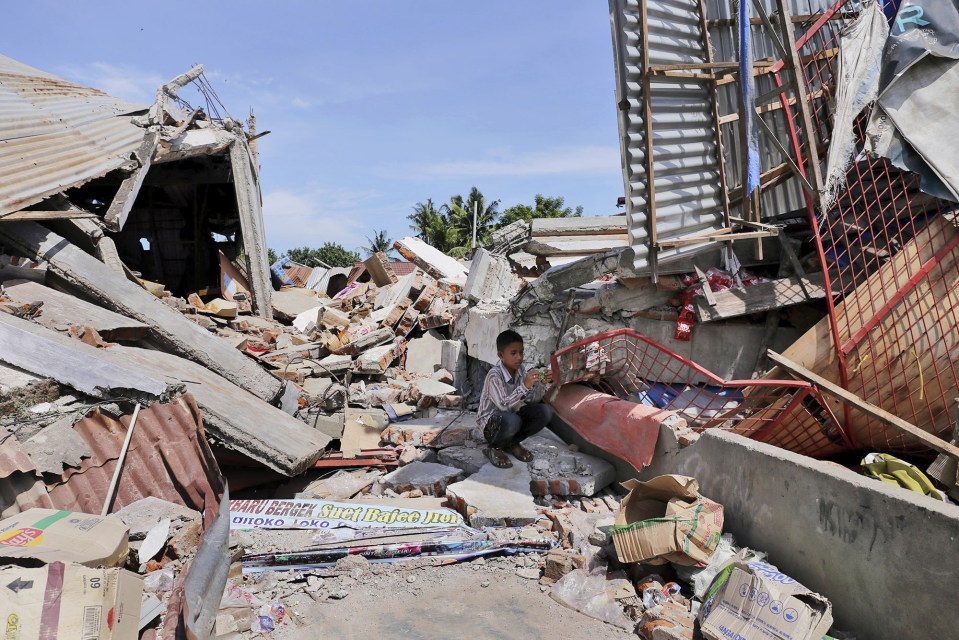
(631, 366)
(890, 254)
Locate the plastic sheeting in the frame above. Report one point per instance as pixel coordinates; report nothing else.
(857, 85)
(915, 115)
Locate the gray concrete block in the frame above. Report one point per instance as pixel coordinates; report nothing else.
(429, 477)
(424, 355)
(495, 497)
(483, 323)
(490, 279)
(469, 459)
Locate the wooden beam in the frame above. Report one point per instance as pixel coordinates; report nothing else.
(794, 63)
(871, 410)
(47, 215)
(707, 290)
(723, 235)
(126, 195)
(765, 296)
(648, 129)
(714, 107)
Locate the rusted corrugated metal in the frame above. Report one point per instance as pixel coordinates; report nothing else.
(169, 458)
(56, 134)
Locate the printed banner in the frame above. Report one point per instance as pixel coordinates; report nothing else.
(322, 514)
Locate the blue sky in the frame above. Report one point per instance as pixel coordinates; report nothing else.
(373, 106)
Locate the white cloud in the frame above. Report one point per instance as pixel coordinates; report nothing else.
(121, 81)
(314, 215)
(581, 160)
(300, 103)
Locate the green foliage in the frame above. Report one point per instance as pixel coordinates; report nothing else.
(332, 254)
(460, 214)
(271, 256)
(449, 227)
(432, 225)
(379, 242)
(544, 208)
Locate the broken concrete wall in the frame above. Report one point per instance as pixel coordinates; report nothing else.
(86, 274)
(239, 420)
(860, 542)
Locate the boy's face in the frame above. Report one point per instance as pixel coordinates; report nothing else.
(512, 356)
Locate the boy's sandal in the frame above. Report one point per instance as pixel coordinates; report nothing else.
(498, 458)
(520, 452)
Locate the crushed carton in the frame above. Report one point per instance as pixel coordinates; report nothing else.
(70, 601)
(666, 520)
(49, 535)
(755, 601)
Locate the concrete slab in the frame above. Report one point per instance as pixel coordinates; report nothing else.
(57, 446)
(424, 355)
(431, 478)
(495, 497)
(491, 279)
(93, 371)
(560, 472)
(61, 310)
(76, 269)
(469, 459)
(484, 322)
(433, 388)
(431, 260)
(288, 303)
(376, 360)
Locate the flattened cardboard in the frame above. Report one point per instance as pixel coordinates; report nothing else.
(755, 601)
(666, 520)
(49, 535)
(70, 601)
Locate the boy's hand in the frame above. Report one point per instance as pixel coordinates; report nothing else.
(532, 377)
(538, 375)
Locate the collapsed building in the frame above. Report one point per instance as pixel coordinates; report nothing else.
(772, 302)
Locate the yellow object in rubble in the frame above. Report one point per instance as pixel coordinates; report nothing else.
(892, 470)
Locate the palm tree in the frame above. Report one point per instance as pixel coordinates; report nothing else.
(379, 242)
(461, 217)
(432, 225)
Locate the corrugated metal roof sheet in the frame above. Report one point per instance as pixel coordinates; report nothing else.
(169, 458)
(55, 134)
(688, 190)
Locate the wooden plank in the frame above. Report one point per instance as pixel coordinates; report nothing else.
(707, 290)
(722, 235)
(650, 163)
(765, 296)
(867, 408)
(714, 107)
(47, 215)
(794, 63)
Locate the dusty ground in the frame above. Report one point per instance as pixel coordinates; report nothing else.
(434, 603)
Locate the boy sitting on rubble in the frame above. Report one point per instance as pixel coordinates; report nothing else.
(510, 408)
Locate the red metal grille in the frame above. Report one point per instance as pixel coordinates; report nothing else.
(787, 413)
(891, 257)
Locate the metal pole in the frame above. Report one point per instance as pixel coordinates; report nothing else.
(473, 245)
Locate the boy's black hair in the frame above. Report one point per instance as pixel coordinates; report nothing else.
(507, 338)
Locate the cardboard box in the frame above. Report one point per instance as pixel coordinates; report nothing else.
(666, 520)
(49, 535)
(70, 601)
(755, 601)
